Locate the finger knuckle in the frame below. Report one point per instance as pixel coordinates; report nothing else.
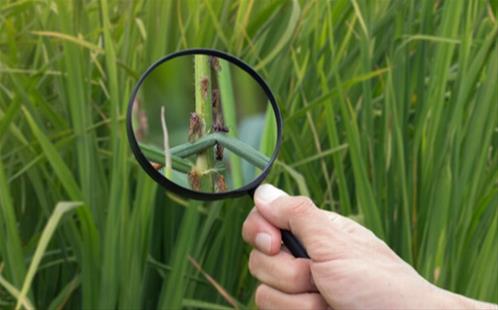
(297, 274)
(294, 276)
(302, 204)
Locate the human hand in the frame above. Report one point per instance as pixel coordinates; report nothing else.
(349, 267)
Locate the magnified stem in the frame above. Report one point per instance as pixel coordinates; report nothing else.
(203, 109)
(229, 114)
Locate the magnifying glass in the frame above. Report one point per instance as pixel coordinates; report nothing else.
(206, 126)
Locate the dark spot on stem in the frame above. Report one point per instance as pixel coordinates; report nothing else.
(195, 180)
(215, 99)
(204, 87)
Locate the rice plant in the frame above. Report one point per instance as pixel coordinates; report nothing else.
(390, 117)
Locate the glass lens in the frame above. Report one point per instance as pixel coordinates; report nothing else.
(204, 123)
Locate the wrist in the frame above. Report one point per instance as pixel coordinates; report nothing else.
(450, 300)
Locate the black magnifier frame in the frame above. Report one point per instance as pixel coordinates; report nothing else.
(172, 186)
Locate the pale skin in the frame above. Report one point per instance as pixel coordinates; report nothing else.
(349, 267)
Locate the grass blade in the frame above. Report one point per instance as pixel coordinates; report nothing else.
(60, 209)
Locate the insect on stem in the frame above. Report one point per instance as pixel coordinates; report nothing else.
(194, 179)
(195, 127)
(220, 185)
(218, 124)
(215, 63)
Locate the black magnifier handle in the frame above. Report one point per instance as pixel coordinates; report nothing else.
(290, 241)
(294, 246)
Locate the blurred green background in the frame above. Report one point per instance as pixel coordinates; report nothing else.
(390, 117)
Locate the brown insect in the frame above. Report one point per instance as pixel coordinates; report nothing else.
(195, 127)
(218, 124)
(220, 185)
(195, 180)
(156, 166)
(204, 87)
(218, 150)
(215, 63)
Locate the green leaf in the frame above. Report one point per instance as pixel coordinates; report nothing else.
(188, 149)
(60, 209)
(60, 168)
(285, 38)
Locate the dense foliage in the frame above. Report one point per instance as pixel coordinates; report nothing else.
(391, 117)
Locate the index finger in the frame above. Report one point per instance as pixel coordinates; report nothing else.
(261, 234)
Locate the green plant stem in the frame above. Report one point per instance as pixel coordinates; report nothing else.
(203, 109)
(235, 146)
(179, 152)
(229, 116)
(155, 154)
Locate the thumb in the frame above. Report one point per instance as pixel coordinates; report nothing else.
(311, 225)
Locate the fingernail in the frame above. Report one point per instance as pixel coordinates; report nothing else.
(263, 242)
(267, 193)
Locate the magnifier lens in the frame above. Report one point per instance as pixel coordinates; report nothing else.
(204, 123)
